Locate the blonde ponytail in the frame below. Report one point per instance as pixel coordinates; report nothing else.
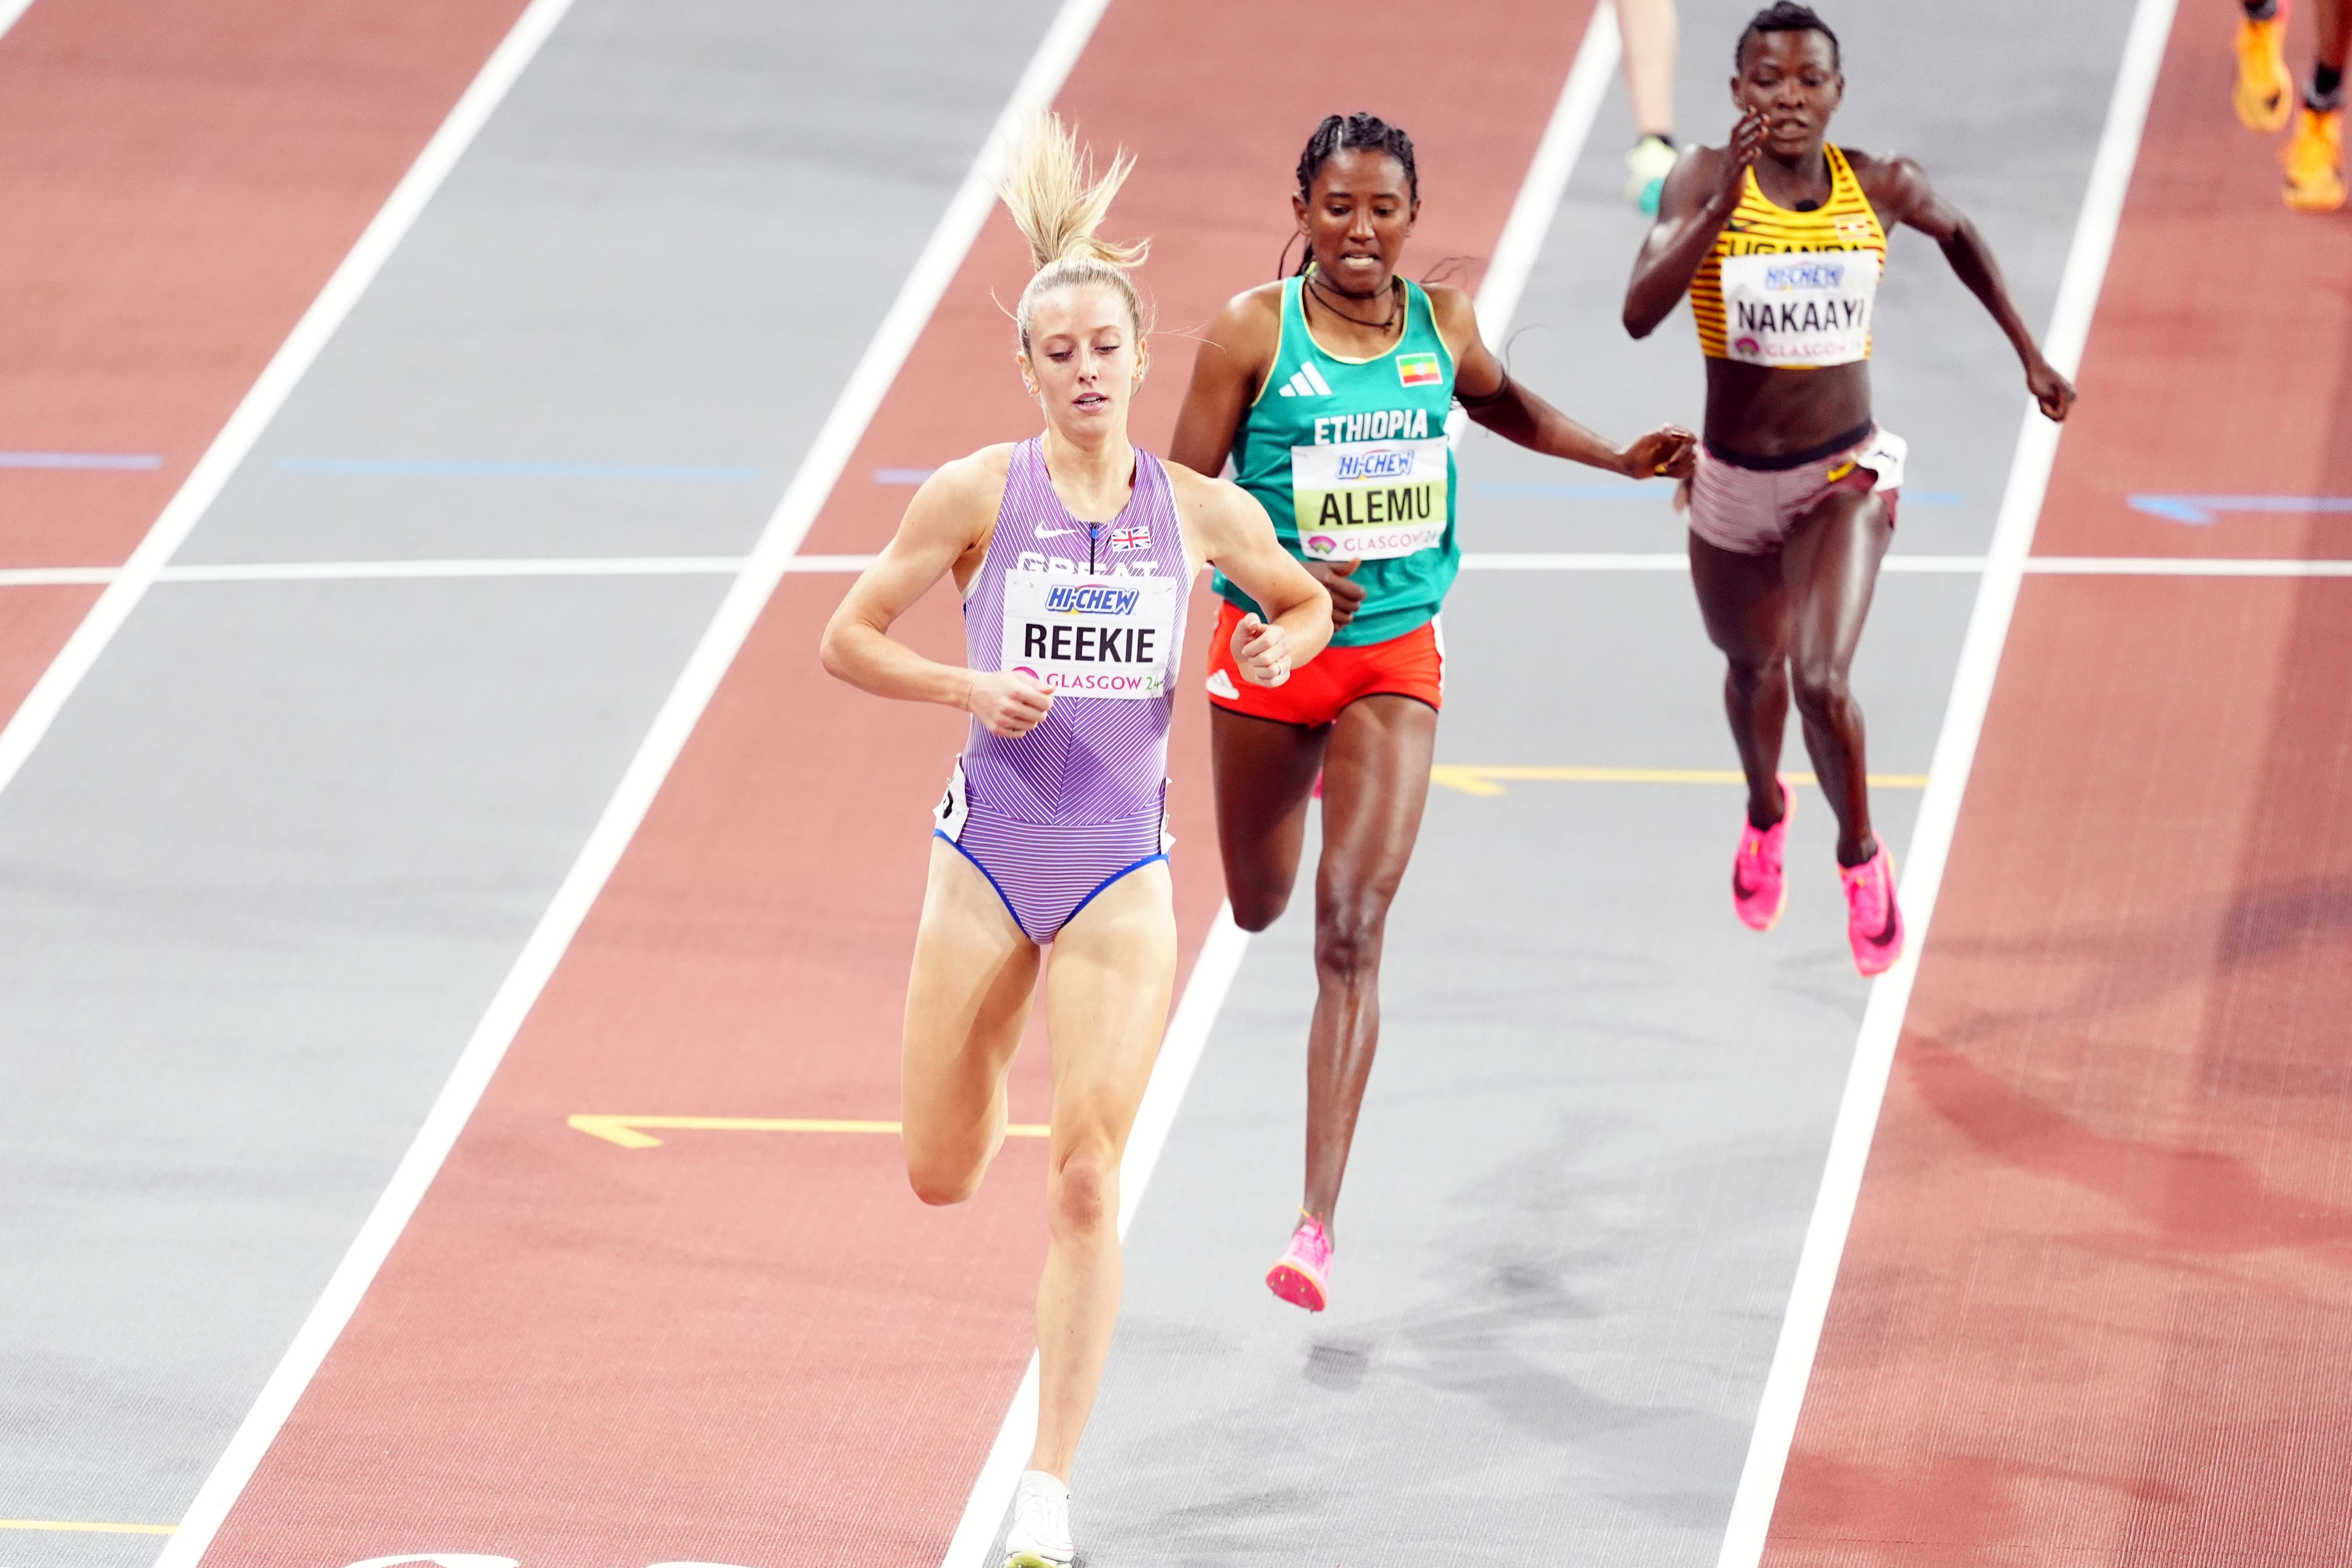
(1058, 205)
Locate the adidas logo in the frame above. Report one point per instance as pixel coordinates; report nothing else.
(1307, 383)
(1223, 684)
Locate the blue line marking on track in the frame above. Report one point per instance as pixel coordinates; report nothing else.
(2202, 510)
(901, 476)
(439, 468)
(114, 462)
(1549, 490)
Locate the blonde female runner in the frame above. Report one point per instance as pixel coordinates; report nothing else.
(1073, 552)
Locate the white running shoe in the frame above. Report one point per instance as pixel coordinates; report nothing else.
(1040, 1536)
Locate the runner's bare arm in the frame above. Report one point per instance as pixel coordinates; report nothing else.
(947, 525)
(1236, 353)
(1223, 524)
(1494, 400)
(1699, 198)
(1898, 188)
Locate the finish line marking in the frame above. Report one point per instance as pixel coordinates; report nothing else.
(1474, 779)
(734, 565)
(623, 1130)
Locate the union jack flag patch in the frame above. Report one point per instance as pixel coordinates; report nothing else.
(1133, 536)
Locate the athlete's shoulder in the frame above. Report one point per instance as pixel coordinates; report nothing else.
(1893, 183)
(1247, 333)
(977, 480)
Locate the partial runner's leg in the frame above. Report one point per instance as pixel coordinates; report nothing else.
(1375, 783)
(1831, 564)
(967, 1004)
(1744, 601)
(1105, 1008)
(1650, 34)
(1264, 772)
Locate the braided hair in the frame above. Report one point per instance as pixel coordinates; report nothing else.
(1357, 133)
(1784, 16)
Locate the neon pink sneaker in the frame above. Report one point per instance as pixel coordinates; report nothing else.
(1759, 888)
(1302, 1275)
(1872, 923)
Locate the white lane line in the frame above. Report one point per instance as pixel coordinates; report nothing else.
(729, 565)
(1939, 807)
(285, 371)
(10, 11)
(1180, 1054)
(2171, 566)
(57, 576)
(368, 571)
(861, 394)
(1524, 231)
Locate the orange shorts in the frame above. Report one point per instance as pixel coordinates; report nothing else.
(1413, 665)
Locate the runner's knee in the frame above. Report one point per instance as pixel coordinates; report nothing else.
(941, 1177)
(1348, 936)
(1081, 1191)
(940, 1183)
(1255, 911)
(1822, 691)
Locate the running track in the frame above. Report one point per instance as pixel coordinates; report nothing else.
(2097, 1306)
(2147, 1023)
(180, 181)
(777, 1349)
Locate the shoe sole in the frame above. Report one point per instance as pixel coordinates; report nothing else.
(1296, 1287)
(1031, 1560)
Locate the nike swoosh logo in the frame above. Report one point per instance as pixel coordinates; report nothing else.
(1054, 533)
(1886, 933)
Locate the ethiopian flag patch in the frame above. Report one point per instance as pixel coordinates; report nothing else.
(1418, 369)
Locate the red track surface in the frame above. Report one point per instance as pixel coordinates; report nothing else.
(2097, 1307)
(180, 181)
(740, 1346)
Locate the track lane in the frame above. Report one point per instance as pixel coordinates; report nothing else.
(2092, 1308)
(180, 181)
(725, 1348)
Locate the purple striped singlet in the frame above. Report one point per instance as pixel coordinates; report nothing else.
(1096, 611)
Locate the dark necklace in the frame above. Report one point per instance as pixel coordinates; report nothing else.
(1396, 305)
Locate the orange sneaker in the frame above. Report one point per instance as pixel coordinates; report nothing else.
(2313, 161)
(2266, 93)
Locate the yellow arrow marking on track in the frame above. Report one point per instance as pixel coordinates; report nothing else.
(623, 1130)
(1472, 778)
(79, 1528)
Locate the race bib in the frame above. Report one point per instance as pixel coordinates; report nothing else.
(1368, 500)
(1800, 307)
(1090, 636)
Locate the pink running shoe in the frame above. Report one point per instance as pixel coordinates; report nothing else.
(1759, 888)
(1872, 923)
(1303, 1275)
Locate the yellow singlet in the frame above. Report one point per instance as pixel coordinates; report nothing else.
(1789, 289)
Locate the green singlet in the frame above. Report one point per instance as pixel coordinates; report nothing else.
(1349, 458)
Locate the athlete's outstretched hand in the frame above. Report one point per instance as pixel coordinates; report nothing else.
(1263, 651)
(2053, 392)
(1008, 702)
(1669, 452)
(1338, 579)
